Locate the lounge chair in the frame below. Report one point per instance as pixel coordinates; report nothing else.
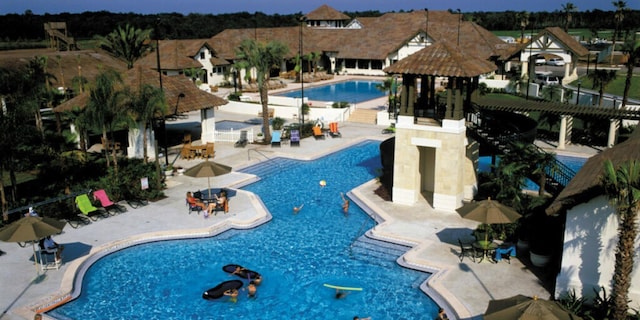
(333, 130)
(295, 138)
(106, 203)
(242, 142)
(209, 150)
(87, 209)
(276, 138)
(317, 132)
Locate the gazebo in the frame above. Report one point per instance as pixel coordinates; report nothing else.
(181, 95)
(433, 157)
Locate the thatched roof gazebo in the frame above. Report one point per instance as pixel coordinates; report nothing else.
(441, 59)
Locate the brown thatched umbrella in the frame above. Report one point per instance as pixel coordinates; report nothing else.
(207, 169)
(525, 308)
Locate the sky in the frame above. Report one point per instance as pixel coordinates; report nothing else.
(294, 6)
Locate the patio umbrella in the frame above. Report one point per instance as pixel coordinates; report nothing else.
(488, 212)
(207, 169)
(32, 229)
(526, 308)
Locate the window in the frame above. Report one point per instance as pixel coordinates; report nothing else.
(363, 64)
(376, 64)
(350, 63)
(202, 55)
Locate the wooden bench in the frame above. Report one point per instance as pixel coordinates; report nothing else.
(271, 113)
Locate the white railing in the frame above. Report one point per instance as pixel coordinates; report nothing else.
(232, 135)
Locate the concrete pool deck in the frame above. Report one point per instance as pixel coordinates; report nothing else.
(463, 288)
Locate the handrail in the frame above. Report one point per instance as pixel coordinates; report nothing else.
(256, 151)
(557, 174)
(47, 201)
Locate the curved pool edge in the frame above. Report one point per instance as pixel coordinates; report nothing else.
(71, 283)
(432, 286)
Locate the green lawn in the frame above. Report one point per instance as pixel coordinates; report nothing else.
(616, 87)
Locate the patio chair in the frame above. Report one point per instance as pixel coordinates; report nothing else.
(87, 209)
(466, 250)
(317, 132)
(333, 130)
(47, 257)
(295, 138)
(185, 152)
(276, 139)
(209, 151)
(242, 142)
(106, 203)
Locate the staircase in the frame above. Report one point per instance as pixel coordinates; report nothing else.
(376, 252)
(58, 36)
(273, 165)
(364, 116)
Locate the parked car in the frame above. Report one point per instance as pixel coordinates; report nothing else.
(547, 79)
(540, 60)
(555, 62)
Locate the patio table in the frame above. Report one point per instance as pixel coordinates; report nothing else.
(486, 248)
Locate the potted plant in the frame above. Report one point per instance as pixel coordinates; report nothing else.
(260, 137)
(179, 170)
(541, 240)
(168, 171)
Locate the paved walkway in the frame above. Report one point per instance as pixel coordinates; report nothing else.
(463, 288)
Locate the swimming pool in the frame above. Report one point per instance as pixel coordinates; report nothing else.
(352, 91)
(229, 125)
(296, 254)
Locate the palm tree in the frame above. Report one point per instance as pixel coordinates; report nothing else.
(622, 187)
(618, 16)
(104, 108)
(568, 9)
(194, 74)
(38, 87)
(523, 18)
(147, 104)
(263, 57)
(601, 78)
(128, 43)
(633, 58)
(388, 85)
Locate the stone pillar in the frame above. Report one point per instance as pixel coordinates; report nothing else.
(134, 148)
(449, 112)
(458, 109)
(403, 97)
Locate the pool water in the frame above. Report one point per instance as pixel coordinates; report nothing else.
(232, 125)
(353, 91)
(295, 253)
(574, 163)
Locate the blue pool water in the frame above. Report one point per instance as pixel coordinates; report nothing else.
(574, 163)
(296, 255)
(353, 91)
(235, 125)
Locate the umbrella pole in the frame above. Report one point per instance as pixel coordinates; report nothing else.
(35, 259)
(209, 185)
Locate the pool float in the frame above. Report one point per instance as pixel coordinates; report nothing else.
(323, 183)
(342, 288)
(245, 273)
(218, 291)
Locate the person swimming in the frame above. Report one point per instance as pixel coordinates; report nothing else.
(297, 209)
(345, 204)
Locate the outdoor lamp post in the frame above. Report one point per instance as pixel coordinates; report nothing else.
(302, 21)
(164, 125)
(578, 95)
(426, 27)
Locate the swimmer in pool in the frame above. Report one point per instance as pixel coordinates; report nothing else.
(297, 209)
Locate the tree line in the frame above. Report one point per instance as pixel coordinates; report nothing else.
(29, 26)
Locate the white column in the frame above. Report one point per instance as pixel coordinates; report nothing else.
(613, 130)
(563, 132)
(134, 149)
(208, 124)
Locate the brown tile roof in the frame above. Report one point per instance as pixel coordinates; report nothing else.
(194, 98)
(174, 55)
(586, 183)
(376, 40)
(87, 63)
(324, 12)
(555, 32)
(442, 59)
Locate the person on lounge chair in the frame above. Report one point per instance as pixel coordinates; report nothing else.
(220, 199)
(197, 203)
